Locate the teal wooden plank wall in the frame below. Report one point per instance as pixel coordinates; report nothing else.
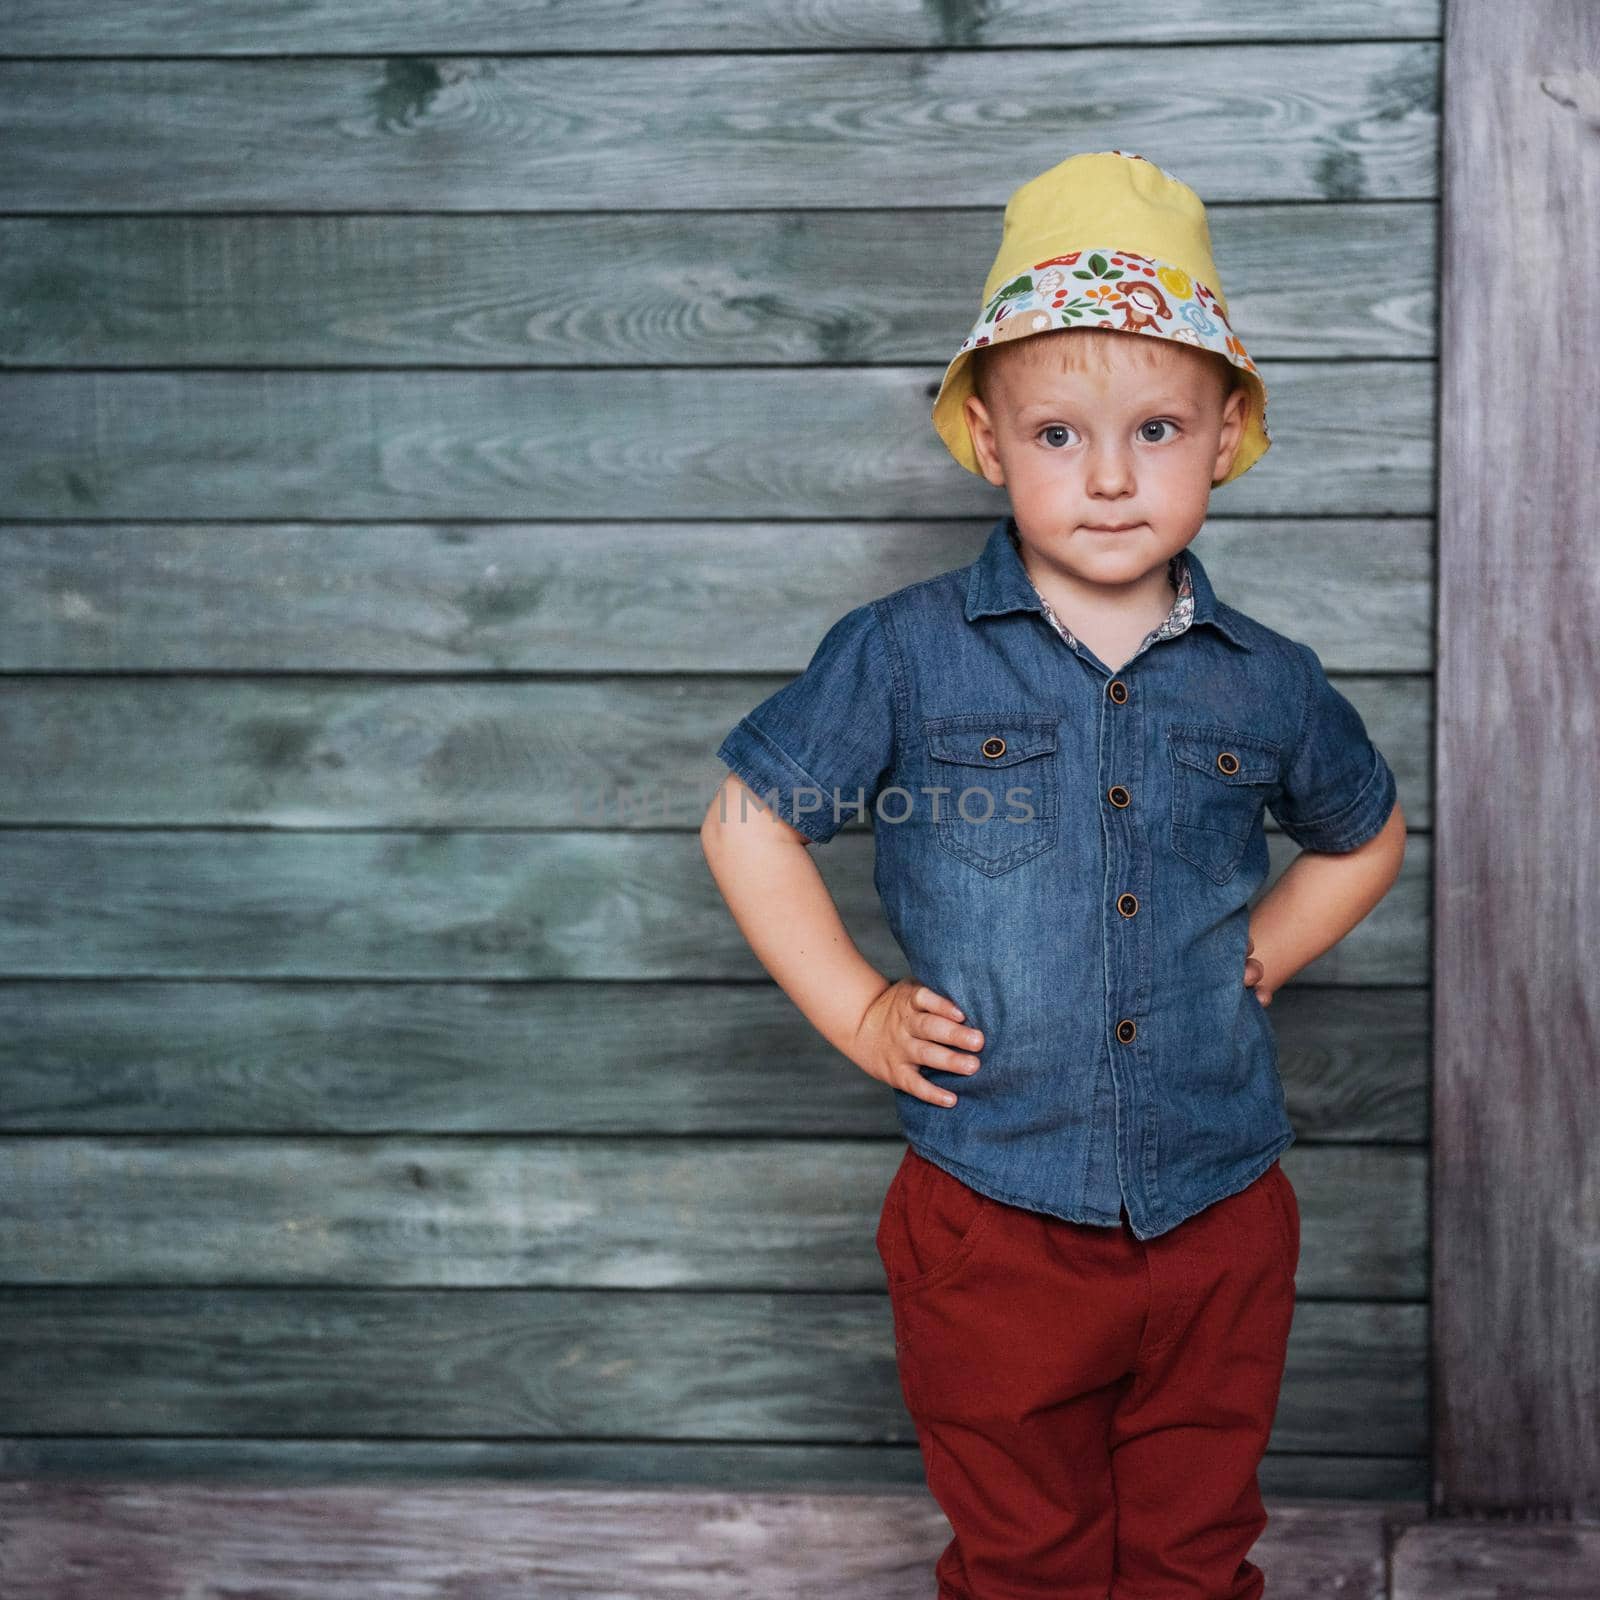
(419, 418)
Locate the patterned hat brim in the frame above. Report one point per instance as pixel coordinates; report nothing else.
(1104, 288)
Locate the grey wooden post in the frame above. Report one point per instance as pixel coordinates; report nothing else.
(1516, 1183)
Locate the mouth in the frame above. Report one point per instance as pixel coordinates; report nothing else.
(1120, 527)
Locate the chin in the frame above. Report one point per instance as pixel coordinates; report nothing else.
(1111, 546)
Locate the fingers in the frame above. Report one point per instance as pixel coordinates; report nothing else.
(930, 1054)
(912, 1082)
(942, 1031)
(925, 999)
(939, 1030)
(938, 1038)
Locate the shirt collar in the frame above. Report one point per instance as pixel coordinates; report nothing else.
(998, 582)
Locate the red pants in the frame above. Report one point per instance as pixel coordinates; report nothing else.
(1091, 1407)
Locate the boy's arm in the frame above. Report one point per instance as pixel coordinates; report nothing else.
(816, 749)
(1319, 897)
(1338, 800)
(765, 872)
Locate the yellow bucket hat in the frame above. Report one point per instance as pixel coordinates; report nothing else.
(1103, 240)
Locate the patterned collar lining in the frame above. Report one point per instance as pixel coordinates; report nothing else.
(1178, 618)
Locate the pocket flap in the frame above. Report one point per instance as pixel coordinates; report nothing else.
(1209, 749)
(977, 739)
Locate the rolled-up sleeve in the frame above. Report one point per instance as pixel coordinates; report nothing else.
(1338, 790)
(818, 750)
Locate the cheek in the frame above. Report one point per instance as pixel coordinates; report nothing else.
(1032, 468)
(1049, 484)
(1184, 476)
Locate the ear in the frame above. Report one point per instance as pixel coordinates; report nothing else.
(1234, 410)
(981, 426)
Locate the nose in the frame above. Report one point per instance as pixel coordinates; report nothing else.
(1109, 473)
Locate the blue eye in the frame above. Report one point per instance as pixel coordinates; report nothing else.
(1051, 435)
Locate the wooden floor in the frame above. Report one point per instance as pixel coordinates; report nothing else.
(61, 1539)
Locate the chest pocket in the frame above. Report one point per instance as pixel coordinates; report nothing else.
(998, 802)
(1221, 779)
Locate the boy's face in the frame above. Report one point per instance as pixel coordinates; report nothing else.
(1091, 430)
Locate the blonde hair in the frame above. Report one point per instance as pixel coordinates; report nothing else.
(1069, 350)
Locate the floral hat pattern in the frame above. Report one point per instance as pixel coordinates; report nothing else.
(1106, 287)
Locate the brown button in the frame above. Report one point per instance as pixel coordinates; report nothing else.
(1126, 1030)
(1117, 795)
(1118, 690)
(994, 745)
(1228, 762)
(1127, 904)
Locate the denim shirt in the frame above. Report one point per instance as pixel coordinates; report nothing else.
(1067, 852)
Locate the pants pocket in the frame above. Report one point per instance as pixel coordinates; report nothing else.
(930, 1226)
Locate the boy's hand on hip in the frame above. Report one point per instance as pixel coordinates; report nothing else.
(1254, 980)
(909, 1027)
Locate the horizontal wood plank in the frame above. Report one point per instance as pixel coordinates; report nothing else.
(664, 1059)
(732, 288)
(620, 132)
(181, 903)
(423, 1540)
(561, 1363)
(310, 27)
(432, 599)
(1350, 439)
(604, 753)
(1459, 1559)
(443, 1212)
(674, 1463)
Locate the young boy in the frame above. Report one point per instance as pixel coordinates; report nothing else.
(1066, 748)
